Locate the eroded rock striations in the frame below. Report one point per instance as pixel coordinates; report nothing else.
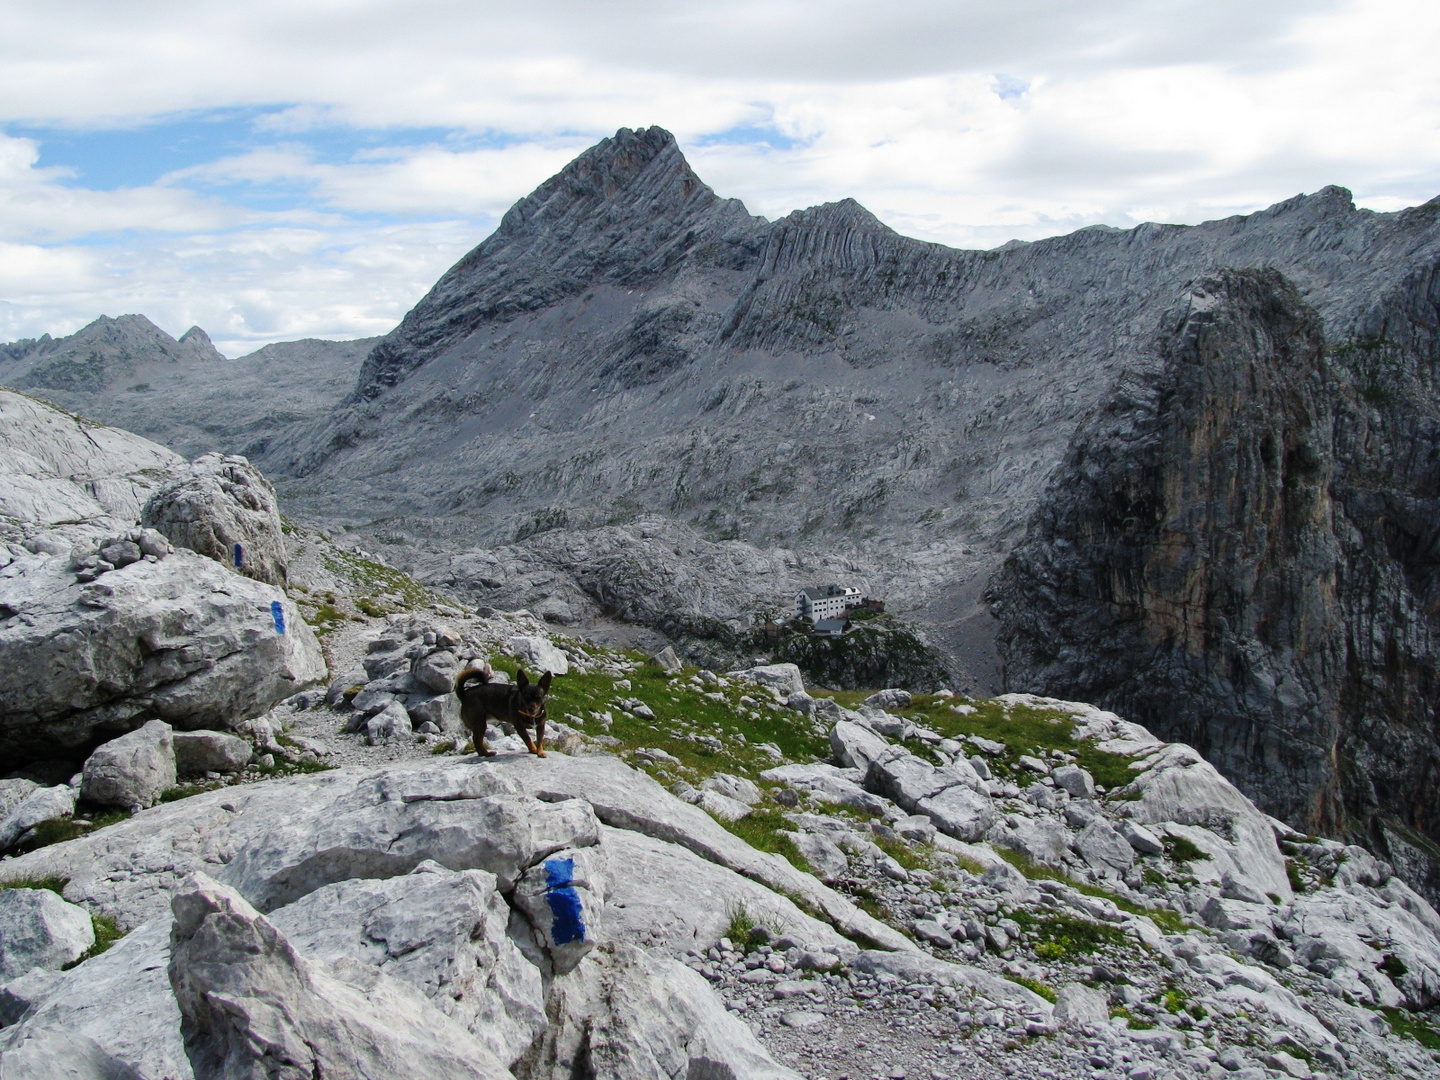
(1237, 550)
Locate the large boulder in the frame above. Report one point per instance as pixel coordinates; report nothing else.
(538, 654)
(627, 1014)
(180, 639)
(1177, 785)
(444, 933)
(253, 1006)
(81, 1003)
(783, 678)
(952, 796)
(219, 506)
(133, 770)
(1076, 1005)
(199, 752)
(389, 824)
(38, 929)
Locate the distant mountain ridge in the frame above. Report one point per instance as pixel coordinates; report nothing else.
(183, 393)
(99, 354)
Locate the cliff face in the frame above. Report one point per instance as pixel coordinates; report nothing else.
(1239, 550)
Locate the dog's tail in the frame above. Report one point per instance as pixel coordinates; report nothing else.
(472, 676)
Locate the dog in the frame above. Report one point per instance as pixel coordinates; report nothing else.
(521, 703)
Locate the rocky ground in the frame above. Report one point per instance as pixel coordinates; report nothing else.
(1158, 971)
(711, 871)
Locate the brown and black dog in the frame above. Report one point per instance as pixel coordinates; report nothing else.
(521, 703)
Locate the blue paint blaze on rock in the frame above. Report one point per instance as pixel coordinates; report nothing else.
(277, 612)
(239, 556)
(566, 924)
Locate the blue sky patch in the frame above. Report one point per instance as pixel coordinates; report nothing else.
(108, 159)
(749, 135)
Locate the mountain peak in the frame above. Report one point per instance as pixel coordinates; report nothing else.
(198, 342)
(634, 172)
(625, 212)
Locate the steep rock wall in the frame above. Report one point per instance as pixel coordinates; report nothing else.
(1236, 550)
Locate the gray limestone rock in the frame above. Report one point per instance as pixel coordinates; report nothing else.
(1075, 780)
(13, 792)
(181, 639)
(563, 896)
(856, 747)
(1076, 1005)
(144, 1035)
(783, 678)
(443, 711)
(442, 932)
(735, 787)
(667, 661)
(390, 824)
(629, 1015)
(1141, 838)
(39, 929)
(63, 1055)
(57, 469)
(20, 995)
(436, 671)
(823, 856)
(892, 698)
(225, 509)
(390, 722)
(199, 752)
(538, 654)
(252, 1005)
(41, 805)
(133, 770)
(1104, 848)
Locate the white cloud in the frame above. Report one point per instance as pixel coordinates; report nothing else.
(961, 121)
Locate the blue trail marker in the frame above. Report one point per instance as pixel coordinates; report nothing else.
(566, 924)
(239, 556)
(277, 612)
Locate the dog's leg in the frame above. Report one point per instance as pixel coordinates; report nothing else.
(479, 735)
(540, 737)
(524, 733)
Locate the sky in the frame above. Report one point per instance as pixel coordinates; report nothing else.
(279, 169)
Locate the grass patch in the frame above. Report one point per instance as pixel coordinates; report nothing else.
(326, 619)
(741, 924)
(684, 716)
(107, 933)
(1181, 850)
(291, 768)
(367, 574)
(1023, 730)
(184, 791)
(61, 829)
(1066, 937)
(443, 747)
(1408, 1026)
(1035, 986)
(765, 830)
(901, 852)
(54, 883)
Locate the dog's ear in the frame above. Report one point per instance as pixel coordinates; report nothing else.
(545, 681)
(520, 680)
